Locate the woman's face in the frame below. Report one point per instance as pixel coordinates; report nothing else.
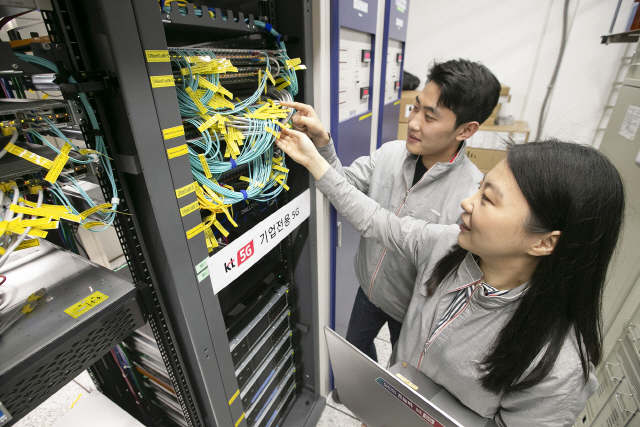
(494, 218)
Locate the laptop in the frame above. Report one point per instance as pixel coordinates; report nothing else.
(399, 396)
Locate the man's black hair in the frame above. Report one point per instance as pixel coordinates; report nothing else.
(467, 88)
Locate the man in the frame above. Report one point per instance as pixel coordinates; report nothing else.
(426, 176)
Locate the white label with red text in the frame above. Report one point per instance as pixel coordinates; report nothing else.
(236, 258)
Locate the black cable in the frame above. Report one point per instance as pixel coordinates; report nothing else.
(547, 97)
(75, 237)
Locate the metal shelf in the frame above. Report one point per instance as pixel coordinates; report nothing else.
(626, 37)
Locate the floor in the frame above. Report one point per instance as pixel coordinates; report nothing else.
(335, 414)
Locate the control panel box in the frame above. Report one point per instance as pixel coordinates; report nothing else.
(394, 66)
(355, 73)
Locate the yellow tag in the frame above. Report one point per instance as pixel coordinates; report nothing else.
(213, 195)
(283, 85)
(407, 382)
(30, 222)
(292, 62)
(45, 96)
(94, 209)
(300, 67)
(191, 207)
(255, 183)
(86, 151)
(90, 225)
(157, 55)
(195, 100)
(59, 162)
(43, 211)
(173, 132)
(28, 244)
(86, 304)
(273, 82)
(51, 225)
(280, 180)
(187, 189)
(219, 226)
(28, 155)
(210, 122)
(205, 166)
(206, 84)
(162, 81)
(56, 208)
(195, 230)
(178, 151)
(280, 168)
(210, 239)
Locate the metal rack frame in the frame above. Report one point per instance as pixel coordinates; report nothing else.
(112, 37)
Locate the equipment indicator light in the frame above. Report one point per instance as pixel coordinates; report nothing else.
(366, 55)
(399, 57)
(364, 92)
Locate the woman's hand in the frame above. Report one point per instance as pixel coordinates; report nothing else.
(306, 120)
(299, 147)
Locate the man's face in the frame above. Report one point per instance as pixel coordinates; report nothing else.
(432, 130)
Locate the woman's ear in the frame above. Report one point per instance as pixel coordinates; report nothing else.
(545, 245)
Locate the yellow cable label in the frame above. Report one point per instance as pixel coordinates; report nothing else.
(90, 225)
(191, 207)
(206, 84)
(157, 55)
(219, 226)
(29, 156)
(210, 239)
(57, 208)
(32, 243)
(251, 181)
(283, 85)
(85, 214)
(195, 100)
(209, 122)
(196, 230)
(181, 192)
(162, 81)
(86, 304)
(292, 62)
(178, 151)
(280, 168)
(205, 165)
(273, 82)
(173, 132)
(43, 211)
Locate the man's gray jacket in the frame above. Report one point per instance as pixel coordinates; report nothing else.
(452, 358)
(386, 177)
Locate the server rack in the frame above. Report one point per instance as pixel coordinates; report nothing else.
(107, 42)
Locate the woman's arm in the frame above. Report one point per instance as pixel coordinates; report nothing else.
(409, 236)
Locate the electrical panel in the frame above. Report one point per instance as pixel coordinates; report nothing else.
(355, 72)
(393, 42)
(172, 109)
(392, 82)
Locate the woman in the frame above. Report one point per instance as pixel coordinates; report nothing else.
(505, 313)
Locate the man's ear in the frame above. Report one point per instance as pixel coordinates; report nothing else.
(467, 130)
(545, 245)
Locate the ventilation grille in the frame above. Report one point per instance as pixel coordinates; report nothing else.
(25, 392)
(630, 361)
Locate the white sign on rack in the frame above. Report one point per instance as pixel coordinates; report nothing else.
(230, 262)
(630, 124)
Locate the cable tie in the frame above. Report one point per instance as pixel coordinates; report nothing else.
(115, 201)
(268, 27)
(244, 194)
(233, 163)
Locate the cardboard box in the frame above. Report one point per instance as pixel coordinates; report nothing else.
(402, 131)
(407, 99)
(504, 90)
(485, 160)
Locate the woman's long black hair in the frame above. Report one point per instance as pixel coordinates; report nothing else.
(576, 190)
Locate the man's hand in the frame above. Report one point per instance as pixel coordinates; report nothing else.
(305, 120)
(299, 147)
